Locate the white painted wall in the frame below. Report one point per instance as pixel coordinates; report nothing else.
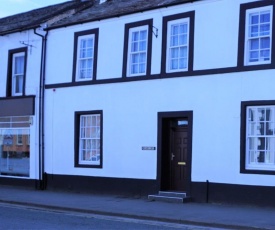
(130, 109)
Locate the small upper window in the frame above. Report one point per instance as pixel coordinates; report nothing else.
(258, 36)
(18, 72)
(137, 50)
(177, 45)
(85, 55)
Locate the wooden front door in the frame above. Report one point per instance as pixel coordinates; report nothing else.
(179, 159)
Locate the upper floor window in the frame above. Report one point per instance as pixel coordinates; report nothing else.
(137, 57)
(258, 35)
(177, 45)
(85, 55)
(258, 137)
(16, 72)
(137, 49)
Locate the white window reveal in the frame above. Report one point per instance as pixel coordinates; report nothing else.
(89, 140)
(258, 35)
(177, 45)
(137, 50)
(260, 137)
(18, 64)
(85, 57)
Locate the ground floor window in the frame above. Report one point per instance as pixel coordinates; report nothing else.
(15, 146)
(88, 144)
(259, 136)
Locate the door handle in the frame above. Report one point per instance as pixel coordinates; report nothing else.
(172, 156)
(181, 163)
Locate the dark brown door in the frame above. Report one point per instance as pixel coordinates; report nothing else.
(178, 159)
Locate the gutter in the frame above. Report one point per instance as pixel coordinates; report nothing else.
(42, 180)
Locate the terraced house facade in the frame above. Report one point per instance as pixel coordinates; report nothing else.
(141, 96)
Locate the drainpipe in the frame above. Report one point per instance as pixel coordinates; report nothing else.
(42, 179)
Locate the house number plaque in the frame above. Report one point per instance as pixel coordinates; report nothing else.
(148, 148)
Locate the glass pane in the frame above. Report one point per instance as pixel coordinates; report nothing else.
(90, 42)
(135, 58)
(174, 41)
(143, 35)
(134, 47)
(174, 64)
(135, 36)
(254, 18)
(82, 43)
(265, 43)
(265, 55)
(19, 84)
(89, 53)
(182, 63)
(183, 52)
(19, 65)
(15, 152)
(265, 17)
(254, 44)
(174, 29)
(142, 68)
(264, 29)
(183, 39)
(142, 46)
(134, 69)
(174, 53)
(142, 58)
(254, 31)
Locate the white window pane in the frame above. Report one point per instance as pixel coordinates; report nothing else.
(265, 43)
(254, 31)
(90, 43)
(19, 65)
(254, 44)
(135, 58)
(174, 53)
(142, 58)
(183, 52)
(174, 41)
(265, 17)
(174, 30)
(143, 35)
(134, 47)
(19, 84)
(182, 63)
(135, 36)
(174, 64)
(90, 52)
(254, 18)
(134, 69)
(142, 68)
(183, 39)
(142, 46)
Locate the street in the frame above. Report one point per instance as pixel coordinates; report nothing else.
(24, 217)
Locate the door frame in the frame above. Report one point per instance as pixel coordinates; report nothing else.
(163, 170)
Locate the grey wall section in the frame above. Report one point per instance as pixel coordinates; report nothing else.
(17, 106)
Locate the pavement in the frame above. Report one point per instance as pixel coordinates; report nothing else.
(200, 214)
